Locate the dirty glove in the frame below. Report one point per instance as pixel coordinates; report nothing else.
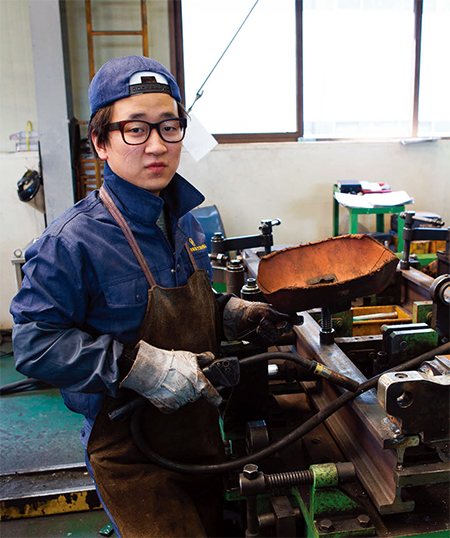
(169, 379)
(256, 322)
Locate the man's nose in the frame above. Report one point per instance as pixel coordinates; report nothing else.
(155, 144)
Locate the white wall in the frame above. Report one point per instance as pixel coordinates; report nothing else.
(20, 223)
(17, 95)
(294, 181)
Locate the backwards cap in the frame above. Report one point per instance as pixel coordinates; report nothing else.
(130, 75)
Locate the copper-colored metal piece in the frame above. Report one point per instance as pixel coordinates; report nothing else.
(326, 273)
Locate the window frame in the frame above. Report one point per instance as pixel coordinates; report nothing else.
(177, 65)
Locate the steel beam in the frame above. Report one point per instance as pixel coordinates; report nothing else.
(362, 429)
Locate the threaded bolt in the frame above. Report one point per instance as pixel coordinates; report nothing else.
(327, 331)
(327, 322)
(289, 479)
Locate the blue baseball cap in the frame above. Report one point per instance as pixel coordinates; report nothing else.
(127, 76)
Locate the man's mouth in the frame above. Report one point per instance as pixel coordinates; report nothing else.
(156, 167)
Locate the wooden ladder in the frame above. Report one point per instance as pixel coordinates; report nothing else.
(143, 32)
(89, 174)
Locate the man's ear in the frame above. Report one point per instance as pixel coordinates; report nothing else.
(101, 149)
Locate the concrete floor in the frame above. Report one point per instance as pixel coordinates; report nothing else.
(38, 431)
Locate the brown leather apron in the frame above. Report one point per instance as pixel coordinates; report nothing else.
(144, 499)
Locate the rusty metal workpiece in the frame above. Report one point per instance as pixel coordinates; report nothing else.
(325, 273)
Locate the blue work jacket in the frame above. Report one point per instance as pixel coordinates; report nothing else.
(84, 295)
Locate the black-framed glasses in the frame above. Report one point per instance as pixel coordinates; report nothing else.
(135, 132)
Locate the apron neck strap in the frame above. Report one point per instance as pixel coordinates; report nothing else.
(191, 256)
(118, 217)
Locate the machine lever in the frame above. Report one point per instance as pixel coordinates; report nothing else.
(295, 319)
(223, 373)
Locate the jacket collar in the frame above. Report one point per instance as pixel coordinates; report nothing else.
(180, 197)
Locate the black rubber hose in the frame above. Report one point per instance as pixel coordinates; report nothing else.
(290, 438)
(309, 364)
(24, 385)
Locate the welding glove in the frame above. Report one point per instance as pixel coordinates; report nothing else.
(259, 323)
(170, 379)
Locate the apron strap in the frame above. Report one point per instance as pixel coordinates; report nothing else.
(191, 256)
(118, 217)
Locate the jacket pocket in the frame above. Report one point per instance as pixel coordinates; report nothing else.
(126, 292)
(126, 302)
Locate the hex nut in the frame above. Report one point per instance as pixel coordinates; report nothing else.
(326, 525)
(364, 520)
(251, 471)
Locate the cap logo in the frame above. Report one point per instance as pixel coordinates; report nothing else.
(149, 87)
(148, 80)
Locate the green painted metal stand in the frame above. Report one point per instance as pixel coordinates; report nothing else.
(354, 213)
(329, 511)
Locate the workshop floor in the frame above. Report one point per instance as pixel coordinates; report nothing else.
(38, 433)
(79, 525)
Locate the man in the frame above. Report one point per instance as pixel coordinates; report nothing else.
(116, 299)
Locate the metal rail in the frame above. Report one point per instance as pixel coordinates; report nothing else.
(362, 429)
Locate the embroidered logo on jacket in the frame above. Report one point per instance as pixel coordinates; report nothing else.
(194, 248)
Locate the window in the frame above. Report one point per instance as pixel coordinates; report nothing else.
(434, 89)
(358, 68)
(250, 74)
(315, 68)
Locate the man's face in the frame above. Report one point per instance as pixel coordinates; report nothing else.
(150, 165)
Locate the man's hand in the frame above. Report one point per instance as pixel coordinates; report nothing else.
(170, 379)
(259, 323)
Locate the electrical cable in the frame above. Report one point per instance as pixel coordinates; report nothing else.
(290, 438)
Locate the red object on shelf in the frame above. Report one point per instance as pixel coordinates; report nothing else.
(371, 188)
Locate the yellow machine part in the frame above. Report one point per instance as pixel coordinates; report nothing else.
(394, 315)
(49, 505)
